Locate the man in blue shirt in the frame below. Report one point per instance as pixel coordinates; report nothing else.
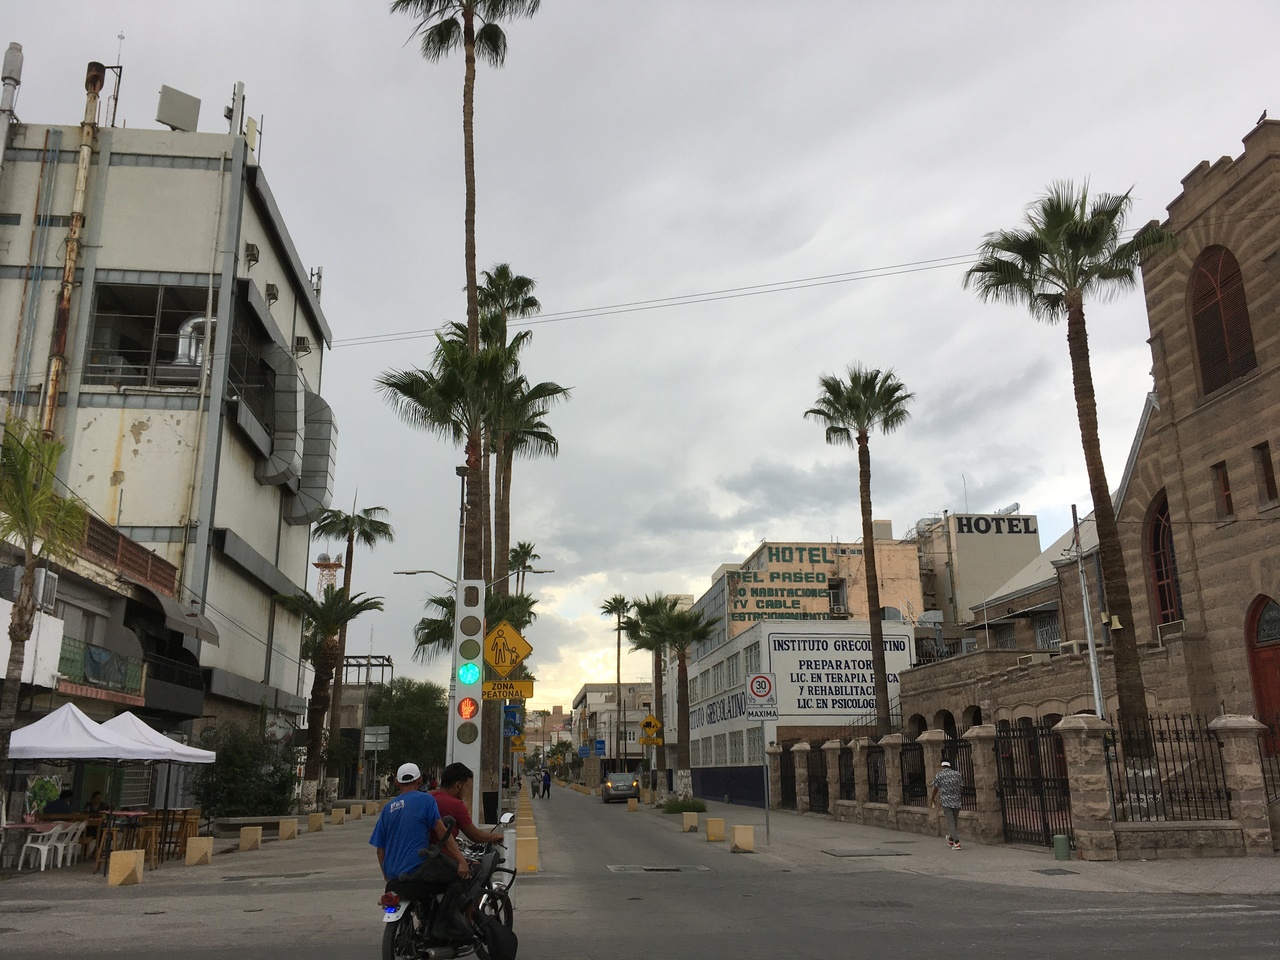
(409, 823)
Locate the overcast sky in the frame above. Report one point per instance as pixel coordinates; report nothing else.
(630, 152)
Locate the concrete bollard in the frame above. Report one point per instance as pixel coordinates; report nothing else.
(715, 829)
(250, 838)
(633, 804)
(125, 867)
(744, 839)
(370, 807)
(288, 829)
(315, 822)
(199, 851)
(525, 830)
(355, 811)
(688, 823)
(337, 815)
(527, 854)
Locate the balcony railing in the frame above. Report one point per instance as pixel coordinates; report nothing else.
(105, 544)
(99, 667)
(164, 670)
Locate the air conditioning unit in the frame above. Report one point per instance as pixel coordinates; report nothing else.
(1170, 631)
(839, 609)
(301, 346)
(1070, 648)
(44, 589)
(1029, 658)
(272, 293)
(250, 253)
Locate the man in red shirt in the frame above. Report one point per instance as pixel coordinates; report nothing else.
(455, 783)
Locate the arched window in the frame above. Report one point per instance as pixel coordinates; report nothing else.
(1220, 317)
(1163, 565)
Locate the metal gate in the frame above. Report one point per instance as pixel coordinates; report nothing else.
(1035, 800)
(787, 763)
(819, 801)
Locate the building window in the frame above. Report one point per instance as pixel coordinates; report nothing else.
(735, 748)
(147, 336)
(717, 678)
(704, 684)
(695, 753)
(1269, 623)
(751, 656)
(755, 745)
(1163, 565)
(1006, 636)
(708, 754)
(1222, 491)
(1220, 318)
(733, 670)
(722, 749)
(1266, 471)
(1047, 636)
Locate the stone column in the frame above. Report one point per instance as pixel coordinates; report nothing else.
(774, 754)
(861, 790)
(1242, 768)
(933, 741)
(986, 781)
(1083, 736)
(800, 753)
(893, 772)
(832, 750)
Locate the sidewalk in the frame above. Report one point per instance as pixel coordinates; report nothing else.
(815, 841)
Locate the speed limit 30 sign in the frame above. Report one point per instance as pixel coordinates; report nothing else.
(762, 697)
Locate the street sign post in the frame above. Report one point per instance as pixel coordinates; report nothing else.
(649, 728)
(762, 705)
(584, 751)
(505, 649)
(600, 745)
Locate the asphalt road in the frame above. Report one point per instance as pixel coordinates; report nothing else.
(623, 885)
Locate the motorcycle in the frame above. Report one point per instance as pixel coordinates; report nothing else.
(431, 919)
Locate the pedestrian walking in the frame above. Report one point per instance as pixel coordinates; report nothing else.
(546, 783)
(948, 784)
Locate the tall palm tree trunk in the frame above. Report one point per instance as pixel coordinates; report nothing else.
(21, 618)
(659, 709)
(502, 520)
(1129, 686)
(486, 506)
(684, 775)
(873, 587)
(335, 713)
(617, 699)
(318, 706)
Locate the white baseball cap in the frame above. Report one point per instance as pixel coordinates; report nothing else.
(945, 763)
(408, 773)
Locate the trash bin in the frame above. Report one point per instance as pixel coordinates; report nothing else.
(1061, 847)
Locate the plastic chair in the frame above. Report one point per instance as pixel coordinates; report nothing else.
(42, 844)
(68, 845)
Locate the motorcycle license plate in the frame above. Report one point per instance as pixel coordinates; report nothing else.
(392, 914)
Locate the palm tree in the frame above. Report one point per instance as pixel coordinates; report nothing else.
(1069, 248)
(641, 637)
(851, 409)
(617, 607)
(324, 617)
(433, 634)
(521, 559)
(444, 26)
(367, 528)
(41, 524)
(678, 630)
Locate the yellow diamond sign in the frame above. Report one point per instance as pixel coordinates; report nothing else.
(650, 726)
(504, 648)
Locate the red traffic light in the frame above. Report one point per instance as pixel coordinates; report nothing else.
(468, 708)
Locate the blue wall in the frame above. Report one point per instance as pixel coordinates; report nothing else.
(742, 785)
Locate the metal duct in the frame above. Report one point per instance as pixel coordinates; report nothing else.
(285, 463)
(320, 454)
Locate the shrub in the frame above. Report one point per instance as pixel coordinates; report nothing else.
(692, 805)
(252, 777)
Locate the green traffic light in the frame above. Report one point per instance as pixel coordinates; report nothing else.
(468, 673)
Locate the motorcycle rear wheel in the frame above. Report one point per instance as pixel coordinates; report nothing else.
(399, 939)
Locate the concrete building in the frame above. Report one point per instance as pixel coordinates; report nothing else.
(163, 323)
(1197, 505)
(597, 715)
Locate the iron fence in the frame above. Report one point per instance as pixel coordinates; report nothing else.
(915, 785)
(877, 778)
(1169, 768)
(787, 766)
(819, 793)
(1035, 796)
(1269, 754)
(960, 753)
(848, 782)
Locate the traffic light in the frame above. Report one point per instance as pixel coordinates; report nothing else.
(468, 674)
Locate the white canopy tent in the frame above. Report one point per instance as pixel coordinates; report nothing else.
(67, 734)
(129, 726)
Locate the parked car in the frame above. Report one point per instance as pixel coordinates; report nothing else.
(620, 786)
